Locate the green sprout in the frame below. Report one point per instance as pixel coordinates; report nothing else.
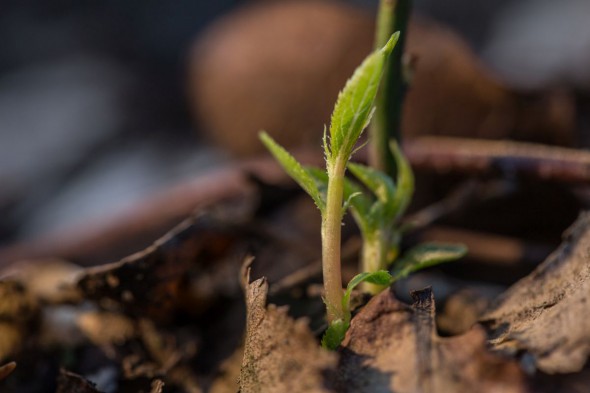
(377, 215)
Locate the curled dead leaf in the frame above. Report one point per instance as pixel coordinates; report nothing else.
(545, 315)
(280, 354)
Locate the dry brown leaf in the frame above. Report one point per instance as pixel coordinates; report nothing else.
(17, 304)
(280, 355)
(157, 386)
(50, 280)
(546, 313)
(6, 370)
(393, 347)
(226, 380)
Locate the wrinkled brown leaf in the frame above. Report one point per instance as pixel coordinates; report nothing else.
(18, 310)
(280, 355)
(226, 380)
(148, 282)
(546, 313)
(393, 347)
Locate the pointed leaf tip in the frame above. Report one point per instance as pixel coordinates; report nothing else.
(294, 169)
(425, 255)
(388, 47)
(354, 106)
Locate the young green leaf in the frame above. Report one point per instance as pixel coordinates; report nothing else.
(405, 183)
(334, 334)
(354, 105)
(380, 277)
(337, 329)
(426, 255)
(294, 169)
(378, 182)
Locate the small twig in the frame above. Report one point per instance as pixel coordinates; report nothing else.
(508, 158)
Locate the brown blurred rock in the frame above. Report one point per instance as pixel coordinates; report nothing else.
(279, 66)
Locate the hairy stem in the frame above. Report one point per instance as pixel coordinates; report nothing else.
(331, 232)
(393, 15)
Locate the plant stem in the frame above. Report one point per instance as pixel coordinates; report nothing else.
(393, 15)
(374, 258)
(331, 232)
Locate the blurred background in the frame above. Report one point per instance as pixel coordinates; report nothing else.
(104, 103)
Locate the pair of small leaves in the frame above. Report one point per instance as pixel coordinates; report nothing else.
(418, 258)
(337, 329)
(391, 200)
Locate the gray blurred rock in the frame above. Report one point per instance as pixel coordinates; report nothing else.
(52, 114)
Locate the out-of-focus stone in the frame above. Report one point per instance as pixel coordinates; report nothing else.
(278, 67)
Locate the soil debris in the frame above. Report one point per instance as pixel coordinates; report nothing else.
(394, 347)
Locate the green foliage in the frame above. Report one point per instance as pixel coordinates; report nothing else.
(354, 105)
(337, 329)
(425, 255)
(390, 200)
(380, 277)
(335, 334)
(377, 211)
(405, 182)
(295, 170)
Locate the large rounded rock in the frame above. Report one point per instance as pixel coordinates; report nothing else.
(278, 67)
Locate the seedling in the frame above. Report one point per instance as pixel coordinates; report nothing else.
(376, 215)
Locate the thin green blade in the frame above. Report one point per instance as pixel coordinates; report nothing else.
(404, 185)
(295, 170)
(426, 255)
(380, 277)
(378, 182)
